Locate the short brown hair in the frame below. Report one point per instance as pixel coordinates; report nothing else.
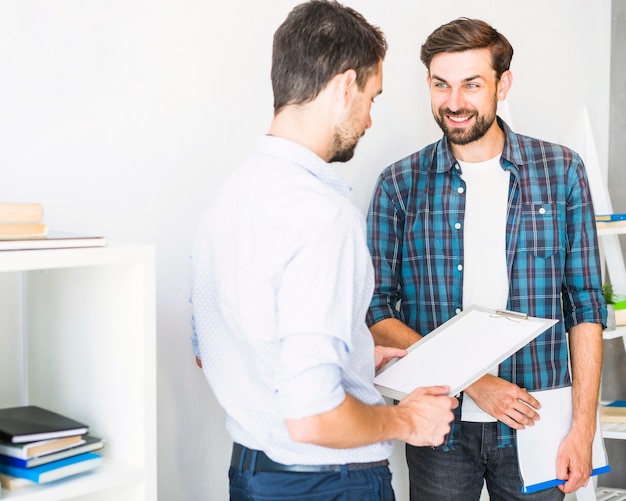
(318, 40)
(468, 34)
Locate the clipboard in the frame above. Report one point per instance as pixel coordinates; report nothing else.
(538, 445)
(460, 351)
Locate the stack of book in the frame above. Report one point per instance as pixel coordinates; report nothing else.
(22, 228)
(21, 221)
(39, 446)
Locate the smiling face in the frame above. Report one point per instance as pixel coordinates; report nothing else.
(464, 95)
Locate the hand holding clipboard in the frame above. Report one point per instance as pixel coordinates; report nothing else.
(448, 355)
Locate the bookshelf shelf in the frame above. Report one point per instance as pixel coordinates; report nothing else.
(614, 430)
(612, 229)
(112, 476)
(77, 327)
(619, 331)
(607, 494)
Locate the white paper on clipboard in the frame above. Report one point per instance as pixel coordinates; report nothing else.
(460, 351)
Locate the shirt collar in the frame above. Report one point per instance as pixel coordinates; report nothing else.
(512, 152)
(305, 158)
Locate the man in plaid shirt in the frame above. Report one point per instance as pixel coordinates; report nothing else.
(490, 217)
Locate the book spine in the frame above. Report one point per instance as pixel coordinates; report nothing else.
(16, 471)
(13, 461)
(16, 452)
(13, 483)
(21, 213)
(23, 230)
(7, 438)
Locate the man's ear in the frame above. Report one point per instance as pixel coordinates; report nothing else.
(504, 85)
(345, 85)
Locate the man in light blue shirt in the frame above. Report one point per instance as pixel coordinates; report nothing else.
(282, 280)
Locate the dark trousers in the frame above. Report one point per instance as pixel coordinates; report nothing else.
(458, 475)
(373, 484)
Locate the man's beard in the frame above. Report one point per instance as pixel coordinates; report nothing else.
(461, 136)
(344, 144)
(343, 155)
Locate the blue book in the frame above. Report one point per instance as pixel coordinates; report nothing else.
(616, 403)
(610, 217)
(55, 470)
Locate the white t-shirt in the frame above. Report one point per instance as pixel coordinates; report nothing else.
(485, 278)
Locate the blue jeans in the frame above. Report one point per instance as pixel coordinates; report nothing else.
(363, 485)
(458, 475)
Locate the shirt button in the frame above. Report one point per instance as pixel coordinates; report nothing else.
(459, 267)
(457, 166)
(542, 211)
(461, 189)
(457, 311)
(457, 226)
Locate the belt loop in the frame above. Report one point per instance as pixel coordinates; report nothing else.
(255, 455)
(242, 458)
(344, 470)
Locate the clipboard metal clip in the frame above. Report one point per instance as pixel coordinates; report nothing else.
(513, 316)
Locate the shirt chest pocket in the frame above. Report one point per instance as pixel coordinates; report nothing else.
(540, 230)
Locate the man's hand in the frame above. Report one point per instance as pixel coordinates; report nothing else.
(574, 462)
(199, 362)
(383, 354)
(505, 401)
(429, 410)
(574, 458)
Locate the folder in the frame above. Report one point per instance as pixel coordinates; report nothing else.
(460, 351)
(538, 445)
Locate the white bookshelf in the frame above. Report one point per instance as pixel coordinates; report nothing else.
(613, 430)
(613, 260)
(77, 330)
(609, 244)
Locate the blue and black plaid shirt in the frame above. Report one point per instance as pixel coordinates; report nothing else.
(551, 251)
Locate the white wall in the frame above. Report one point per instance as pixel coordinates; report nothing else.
(123, 117)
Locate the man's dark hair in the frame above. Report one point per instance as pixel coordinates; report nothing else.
(468, 34)
(319, 40)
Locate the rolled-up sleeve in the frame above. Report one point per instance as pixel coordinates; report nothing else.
(309, 380)
(318, 311)
(384, 238)
(582, 287)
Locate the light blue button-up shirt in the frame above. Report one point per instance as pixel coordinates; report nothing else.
(282, 280)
